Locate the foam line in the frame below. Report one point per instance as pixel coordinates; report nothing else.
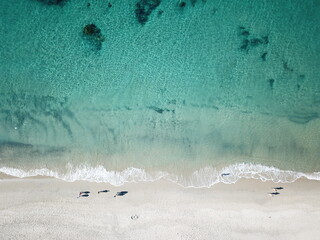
(204, 177)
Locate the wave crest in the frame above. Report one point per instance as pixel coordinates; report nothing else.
(204, 177)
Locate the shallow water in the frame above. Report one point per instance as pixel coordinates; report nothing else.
(173, 89)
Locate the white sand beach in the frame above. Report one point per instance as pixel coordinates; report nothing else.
(44, 208)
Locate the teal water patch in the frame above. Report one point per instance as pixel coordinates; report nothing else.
(161, 85)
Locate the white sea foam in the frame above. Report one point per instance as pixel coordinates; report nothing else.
(204, 177)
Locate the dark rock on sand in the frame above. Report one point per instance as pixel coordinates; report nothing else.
(144, 8)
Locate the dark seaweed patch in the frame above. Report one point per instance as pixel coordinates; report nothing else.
(182, 4)
(16, 109)
(93, 35)
(265, 40)
(53, 2)
(286, 67)
(245, 33)
(214, 11)
(271, 82)
(264, 56)
(303, 118)
(158, 110)
(14, 144)
(245, 45)
(144, 8)
(173, 101)
(253, 42)
(193, 2)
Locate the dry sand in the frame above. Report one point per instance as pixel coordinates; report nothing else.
(44, 208)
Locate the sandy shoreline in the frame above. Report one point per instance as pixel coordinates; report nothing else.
(46, 208)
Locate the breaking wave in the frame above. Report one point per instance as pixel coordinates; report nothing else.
(204, 177)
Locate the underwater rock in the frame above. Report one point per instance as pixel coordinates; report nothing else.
(144, 8)
(53, 2)
(93, 34)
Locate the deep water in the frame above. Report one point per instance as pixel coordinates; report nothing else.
(159, 85)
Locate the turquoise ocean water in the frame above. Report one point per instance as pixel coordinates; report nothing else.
(118, 91)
